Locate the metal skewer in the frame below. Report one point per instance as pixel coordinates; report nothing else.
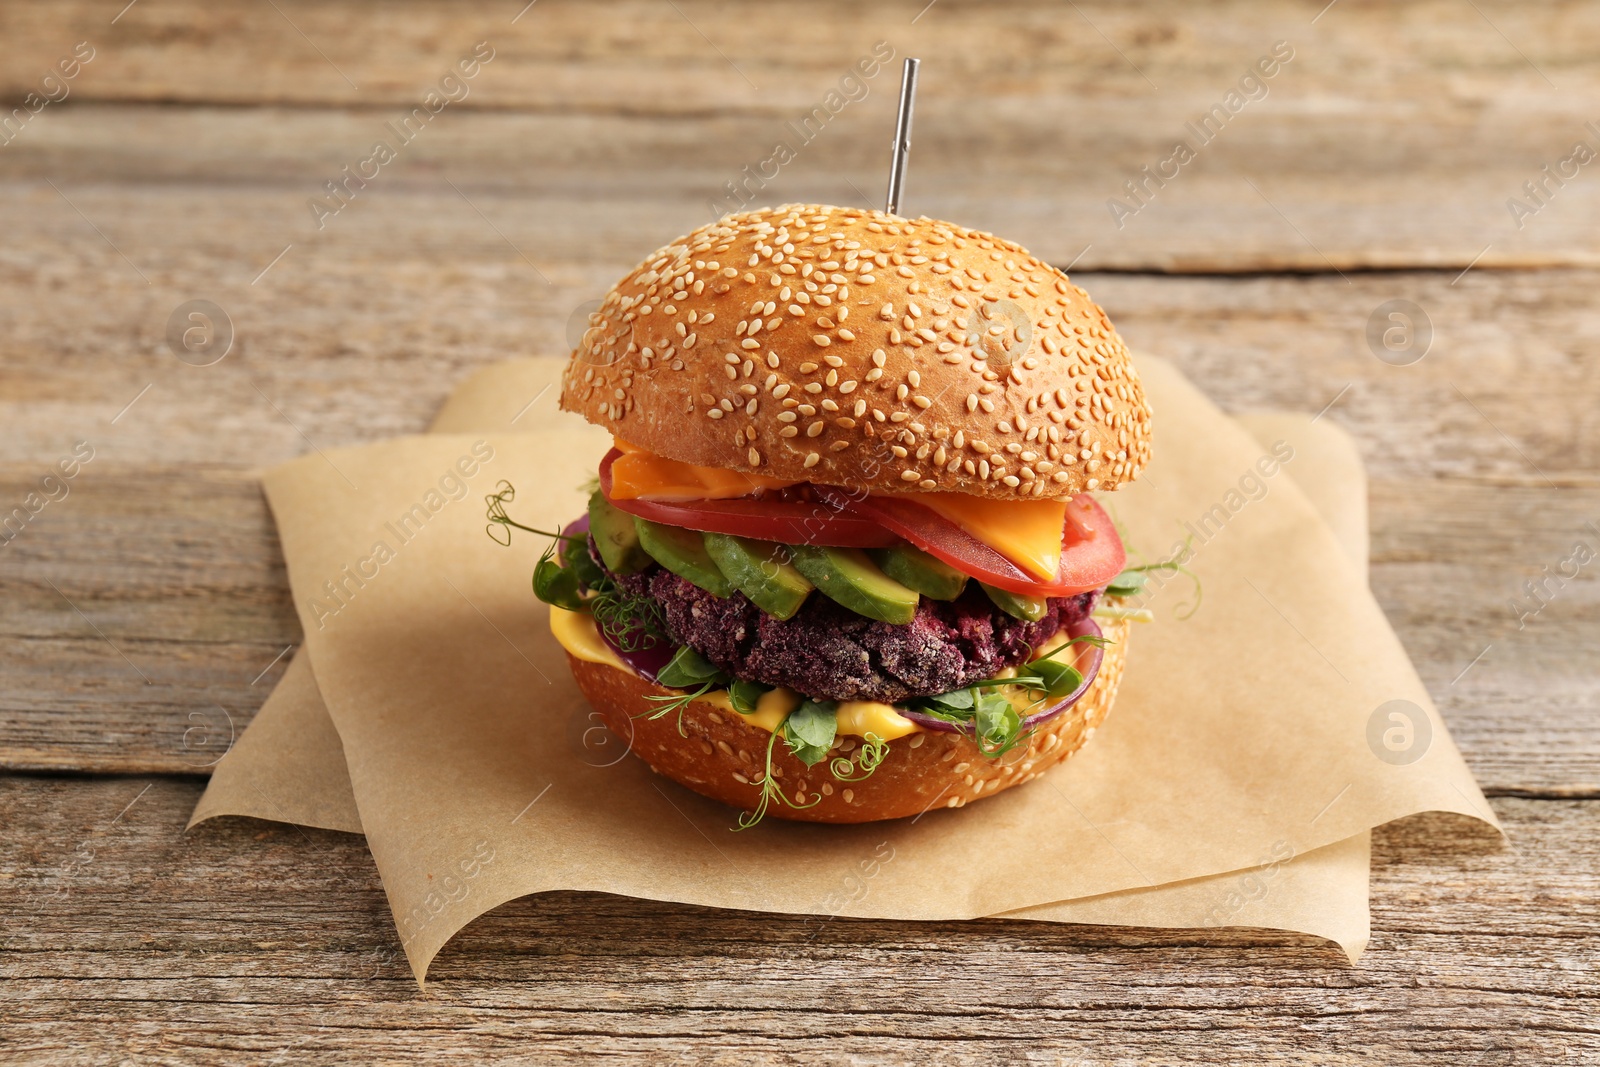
(902, 134)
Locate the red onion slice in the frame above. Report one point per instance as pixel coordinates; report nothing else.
(1084, 627)
(648, 660)
(577, 526)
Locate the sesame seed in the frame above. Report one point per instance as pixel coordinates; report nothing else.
(822, 339)
(811, 459)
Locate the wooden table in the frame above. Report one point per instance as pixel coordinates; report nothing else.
(147, 609)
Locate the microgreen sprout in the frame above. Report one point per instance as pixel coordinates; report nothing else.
(686, 670)
(770, 790)
(746, 695)
(810, 730)
(567, 577)
(1131, 581)
(873, 751)
(503, 494)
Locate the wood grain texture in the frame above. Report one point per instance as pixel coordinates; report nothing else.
(238, 939)
(1394, 137)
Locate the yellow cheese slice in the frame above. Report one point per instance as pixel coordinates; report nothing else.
(641, 475)
(576, 632)
(1027, 532)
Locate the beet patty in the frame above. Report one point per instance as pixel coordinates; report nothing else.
(830, 652)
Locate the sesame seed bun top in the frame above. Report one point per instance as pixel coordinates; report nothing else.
(849, 347)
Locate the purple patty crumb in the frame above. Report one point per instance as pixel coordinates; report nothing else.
(829, 651)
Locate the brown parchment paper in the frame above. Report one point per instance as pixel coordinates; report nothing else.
(443, 690)
(289, 765)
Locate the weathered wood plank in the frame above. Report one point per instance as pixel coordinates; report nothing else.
(139, 941)
(565, 55)
(1286, 191)
(1394, 136)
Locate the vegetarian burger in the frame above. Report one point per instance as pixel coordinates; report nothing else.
(843, 562)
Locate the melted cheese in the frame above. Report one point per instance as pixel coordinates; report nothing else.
(641, 475)
(576, 632)
(1027, 532)
(861, 717)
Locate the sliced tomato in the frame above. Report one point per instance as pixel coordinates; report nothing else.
(785, 516)
(1091, 552)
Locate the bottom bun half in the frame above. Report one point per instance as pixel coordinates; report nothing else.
(724, 757)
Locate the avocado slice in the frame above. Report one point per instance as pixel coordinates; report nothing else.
(615, 536)
(849, 577)
(916, 569)
(761, 571)
(1031, 608)
(683, 552)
